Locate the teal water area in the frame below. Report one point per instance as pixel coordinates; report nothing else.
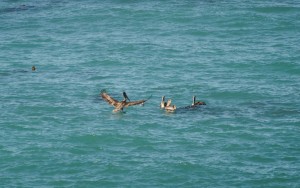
(242, 58)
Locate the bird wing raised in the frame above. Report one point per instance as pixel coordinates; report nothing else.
(109, 99)
(169, 102)
(134, 103)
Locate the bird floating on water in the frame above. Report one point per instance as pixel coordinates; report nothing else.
(167, 105)
(198, 103)
(171, 108)
(119, 105)
(195, 103)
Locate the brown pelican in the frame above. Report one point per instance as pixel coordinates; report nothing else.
(33, 68)
(164, 104)
(198, 102)
(119, 105)
(167, 105)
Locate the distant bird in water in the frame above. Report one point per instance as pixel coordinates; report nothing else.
(33, 68)
(119, 105)
(198, 102)
(164, 104)
(171, 108)
(195, 103)
(167, 105)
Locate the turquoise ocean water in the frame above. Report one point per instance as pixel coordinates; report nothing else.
(241, 57)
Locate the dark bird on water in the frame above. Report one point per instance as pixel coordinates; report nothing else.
(197, 103)
(119, 105)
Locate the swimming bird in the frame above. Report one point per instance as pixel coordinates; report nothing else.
(194, 104)
(167, 105)
(164, 104)
(33, 68)
(198, 102)
(119, 105)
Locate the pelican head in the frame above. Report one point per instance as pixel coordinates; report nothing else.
(194, 100)
(125, 96)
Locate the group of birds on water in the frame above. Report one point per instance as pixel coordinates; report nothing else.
(120, 105)
(171, 108)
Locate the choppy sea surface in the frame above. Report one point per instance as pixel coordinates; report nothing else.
(241, 57)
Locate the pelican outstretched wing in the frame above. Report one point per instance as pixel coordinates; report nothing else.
(136, 102)
(108, 98)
